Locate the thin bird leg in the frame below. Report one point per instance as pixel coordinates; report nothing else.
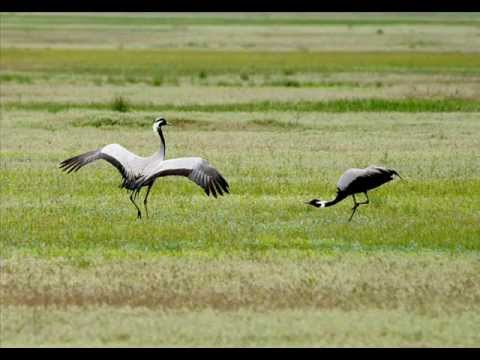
(355, 206)
(135, 193)
(139, 214)
(365, 202)
(146, 197)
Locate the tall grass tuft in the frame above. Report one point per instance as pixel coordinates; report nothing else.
(120, 104)
(157, 81)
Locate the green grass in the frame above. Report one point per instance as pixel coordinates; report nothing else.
(30, 20)
(352, 81)
(120, 104)
(336, 106)
(140, 62)
(18, 78)
(266, 185)
(37, 326)
(424, 299)
(379, 32)
(257, 267)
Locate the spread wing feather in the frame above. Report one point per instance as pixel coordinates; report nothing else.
(196, 169)
(115, 154)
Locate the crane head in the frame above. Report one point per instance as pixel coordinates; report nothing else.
(395, 173)
(316, 202)
(158, 123)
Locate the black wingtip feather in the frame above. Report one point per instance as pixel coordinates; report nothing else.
(212, 189)
(223, 182)
(218, 187)
(76, 162)
(69, 165)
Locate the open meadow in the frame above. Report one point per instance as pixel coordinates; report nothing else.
(281, 105)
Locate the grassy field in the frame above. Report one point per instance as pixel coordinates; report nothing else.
(246, 32)
(256, 267)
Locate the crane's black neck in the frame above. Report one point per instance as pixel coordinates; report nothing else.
(162, 143)
(339, 197)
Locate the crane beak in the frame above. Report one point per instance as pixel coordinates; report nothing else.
(396, 173)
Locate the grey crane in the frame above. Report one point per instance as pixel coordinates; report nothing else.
(138, 172)
(355, 181)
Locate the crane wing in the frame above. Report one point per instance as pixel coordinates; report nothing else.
(348, 177)
(367, 178)
(115, 154)
(196, 169)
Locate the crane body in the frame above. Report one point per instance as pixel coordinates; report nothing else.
(138, 172)
(355, 181)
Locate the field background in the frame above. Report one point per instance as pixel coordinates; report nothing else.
(281, 104)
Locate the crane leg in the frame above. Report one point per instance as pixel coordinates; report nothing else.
(132, 195)
(146, 197)
(365, 202)
(357, 204)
